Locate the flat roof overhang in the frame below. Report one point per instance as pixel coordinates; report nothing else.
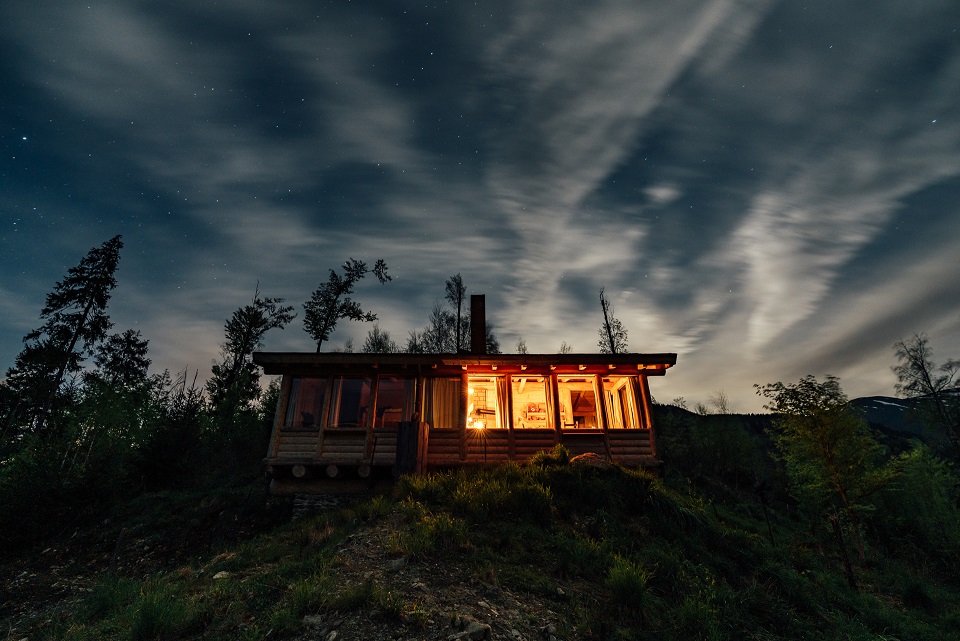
(328, 362)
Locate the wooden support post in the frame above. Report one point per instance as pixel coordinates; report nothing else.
(602, 414)
(370, 444)
(511, 446)
(557, 419)
(279, 415)
(464, 404)
(323, 419)
(423, 443)
(647, 412)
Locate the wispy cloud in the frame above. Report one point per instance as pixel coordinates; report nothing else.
(576, 88)
(723, 169)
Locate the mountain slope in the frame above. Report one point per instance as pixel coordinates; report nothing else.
(897, 414)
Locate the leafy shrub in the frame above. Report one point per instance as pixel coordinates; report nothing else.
(919, 515)
(718, 447)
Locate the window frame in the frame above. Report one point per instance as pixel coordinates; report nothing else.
(516, 421)
(292, 404)
(408, 396)
(501, 400)
(598, 411)
(336, 400)
(629, 417)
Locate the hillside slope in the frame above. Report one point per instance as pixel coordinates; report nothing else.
(554, 550)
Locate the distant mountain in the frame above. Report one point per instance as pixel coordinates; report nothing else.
(894, 414)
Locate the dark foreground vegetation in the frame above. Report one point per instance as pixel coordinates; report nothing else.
(572, 550)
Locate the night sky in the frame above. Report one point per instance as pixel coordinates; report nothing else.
(769, 189)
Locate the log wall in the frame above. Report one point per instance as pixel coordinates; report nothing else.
(297, 444)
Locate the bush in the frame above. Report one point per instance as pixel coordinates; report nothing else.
(927, 523)
(628, 583)
(578, 555)
(161, 614)
(505, 492)
(108, 597)
(431, 533)
(559, 455)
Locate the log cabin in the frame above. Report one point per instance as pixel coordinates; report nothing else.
(365, 416)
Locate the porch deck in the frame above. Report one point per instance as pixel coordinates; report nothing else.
(455, 447)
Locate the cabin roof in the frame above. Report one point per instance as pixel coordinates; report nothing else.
(305, 362)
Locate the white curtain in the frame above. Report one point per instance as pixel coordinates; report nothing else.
(442, 403)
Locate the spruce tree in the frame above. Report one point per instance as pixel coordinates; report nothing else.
(75, 322)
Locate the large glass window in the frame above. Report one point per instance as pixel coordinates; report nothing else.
(529, 402)
(441, 402)
(578, 402)
(486, 398)
(621, 401)
(396, 398)
(305, 406)
(350, 402)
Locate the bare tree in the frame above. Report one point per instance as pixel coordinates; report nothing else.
(456, 291)
(439, 336)
(415, 343)
(448, 331)
(565, 348)
(493, 343)
(720, 402)
(522, 347)
(918, 377)
(346, 348)
(613, 335)
(378, 341)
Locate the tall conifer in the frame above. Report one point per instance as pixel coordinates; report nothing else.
(75, 322)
